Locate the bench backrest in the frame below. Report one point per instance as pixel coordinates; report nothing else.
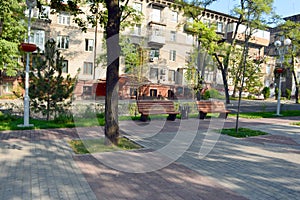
(155, 106)
(211, 106)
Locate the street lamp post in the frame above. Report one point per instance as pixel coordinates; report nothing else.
(281, 50)
(30, 4)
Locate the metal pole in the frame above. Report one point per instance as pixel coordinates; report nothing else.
(26, 97)
(279, 86)
(278, 97)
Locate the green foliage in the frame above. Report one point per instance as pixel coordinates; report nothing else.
(50, 91)
(12, 33)
(212, 93)
(64, 118)
(254, 115)
(242, 132)
(266, 92)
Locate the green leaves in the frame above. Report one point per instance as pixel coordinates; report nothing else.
(49, 90)
(12, 33)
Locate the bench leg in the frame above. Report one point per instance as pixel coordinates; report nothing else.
(223, 115)
(144, 118)
(202, 115)
(171, 117)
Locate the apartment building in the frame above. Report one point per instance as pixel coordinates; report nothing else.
(274, 61)
(162, 36)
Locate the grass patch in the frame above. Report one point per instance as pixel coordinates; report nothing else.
(296, 123)
(98, 145)
(242, 132)
(255, 115)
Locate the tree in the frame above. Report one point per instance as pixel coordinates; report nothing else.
(251, 13)
(252, 74)
(49, 90)
(110, 16)
(12, 33)
(290, 29)
(255, 20)
(206, 41)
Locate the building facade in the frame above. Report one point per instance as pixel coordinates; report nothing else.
(162, 37)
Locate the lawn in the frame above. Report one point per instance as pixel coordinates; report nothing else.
(253, 115)
(8, 122)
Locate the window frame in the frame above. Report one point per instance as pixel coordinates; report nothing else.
(63, 41)
(172, 55)
(87, 68)
(89, 44)
(173, 36)
(64, 19)
(174, 16)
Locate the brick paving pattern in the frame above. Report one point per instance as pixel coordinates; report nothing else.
(40, 165)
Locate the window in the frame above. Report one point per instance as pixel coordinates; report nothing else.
(8, 87)
(220, 27)
(153, 92)
(65, 66)
(87, 90)
(38, 37)
(88, 68)
(189, 39)
(171, 76)
(206, 22)
(154, 73)
(174, 16)
(137, 6)
(154, 53)
(64, 19)
(156, 15)
(89, 44)
(63, 42)
(137, 30)
(172, 55)
(173, 36)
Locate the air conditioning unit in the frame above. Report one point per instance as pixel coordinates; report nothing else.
(152, 59)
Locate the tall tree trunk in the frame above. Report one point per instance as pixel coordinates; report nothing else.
(112, 73)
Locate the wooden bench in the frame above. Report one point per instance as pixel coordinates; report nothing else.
(152, 107)
(205, 107)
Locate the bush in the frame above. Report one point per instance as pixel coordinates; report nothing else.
(212, 93)
(63, 118)
(266, 92)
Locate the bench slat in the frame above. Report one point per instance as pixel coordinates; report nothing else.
(146, 107)
(205, 107)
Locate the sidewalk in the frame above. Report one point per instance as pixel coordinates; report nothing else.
(40, 164)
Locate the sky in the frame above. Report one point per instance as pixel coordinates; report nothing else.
(284, 8)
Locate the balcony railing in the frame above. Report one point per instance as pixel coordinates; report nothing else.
(157, 39)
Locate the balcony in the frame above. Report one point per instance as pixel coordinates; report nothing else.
(259, 37)
(156, 39)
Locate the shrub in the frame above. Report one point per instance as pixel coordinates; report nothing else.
(266, 92)
(63, 118)
(212, 93)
